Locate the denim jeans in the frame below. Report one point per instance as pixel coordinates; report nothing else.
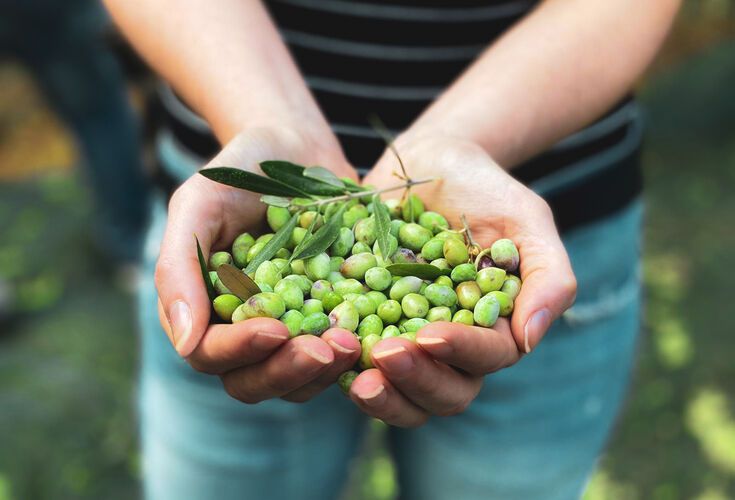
(534, 432)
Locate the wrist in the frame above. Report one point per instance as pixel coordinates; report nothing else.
(305, 145)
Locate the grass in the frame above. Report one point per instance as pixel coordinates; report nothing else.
(67, 368)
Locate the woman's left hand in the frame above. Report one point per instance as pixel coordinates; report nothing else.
(443, 372)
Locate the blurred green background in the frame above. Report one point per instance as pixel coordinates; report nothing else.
(68, 355)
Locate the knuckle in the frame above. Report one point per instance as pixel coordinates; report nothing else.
(164, 267)
(568, 288)
(299, 397)
(238, 392)
(541, 206)
(413, 423)
(455, 408)
(201, 367)
(278, 386)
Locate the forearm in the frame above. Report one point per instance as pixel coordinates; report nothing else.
(225, 58)
(556, 71)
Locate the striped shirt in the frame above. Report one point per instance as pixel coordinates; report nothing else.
(392, 58)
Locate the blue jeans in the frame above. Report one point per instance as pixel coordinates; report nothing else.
(534, 431)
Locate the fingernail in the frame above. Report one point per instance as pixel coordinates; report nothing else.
(436, 345)
(179, 316)
(268, 340)
(396, 361)
(535, 328)
(375, 397)
(338, 347)
(318, 357)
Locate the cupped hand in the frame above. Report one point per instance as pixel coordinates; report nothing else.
(443, 372)
(255, 358)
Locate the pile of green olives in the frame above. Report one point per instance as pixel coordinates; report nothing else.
(349, 286)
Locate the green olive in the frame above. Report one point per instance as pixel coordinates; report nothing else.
(412, 208)
(365, 231)
(268, 273)
(440, 313)
(463, 272)
(331, 300)
(344, 242)
(346, 286)
(291, 294)
(345, 316)
(441, 295)
(317, 267)
(315, 324)
(468, 293)
(311, 306)
(434, 222)
(505, 254)
(405, 285)
(262, 305)
(378, 278)
(433, 249)
(225, 305)
(504, 301)
(357, 265)
(463, 316)
(390, 331)
(415, 305)
(486, 311)
(219, 258)
(490, 279)
(370, 325)
(367, 343)
(320, 288)
(390, 311)
(455, 252)
(345, 380)
(511, 286)
(293, 319)
(413, 236)
(277, 217)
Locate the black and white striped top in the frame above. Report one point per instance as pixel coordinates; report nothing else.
(392, 58)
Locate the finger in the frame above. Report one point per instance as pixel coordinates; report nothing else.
(476, 350)
(181, 289)
(295, 364)
(226, 347)
(346, 349)
(549, 286)
(435, 387)
(376, 396)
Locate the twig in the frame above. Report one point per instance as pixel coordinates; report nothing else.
(382, 131)
(360, 194)
(471, 243)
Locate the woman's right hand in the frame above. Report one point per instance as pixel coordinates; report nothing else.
(255, 358)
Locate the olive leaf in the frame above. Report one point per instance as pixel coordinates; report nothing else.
(293, 175)
(324, 175)
(237, 281)
(382, 225)
(305, 240)
(252, 182)
(423, 271)
(278, 241)
(324, 237)
(205, 273)
(276, 201)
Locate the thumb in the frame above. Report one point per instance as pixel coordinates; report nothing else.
(184, 303)
(549, 288)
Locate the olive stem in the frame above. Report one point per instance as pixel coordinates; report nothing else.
(370, 192)
(474, 247)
